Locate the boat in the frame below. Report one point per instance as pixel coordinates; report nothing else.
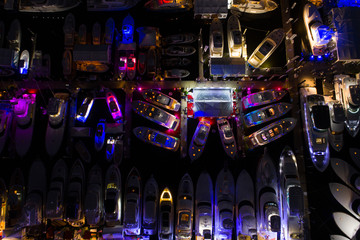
(104, 5)
(346, 197)
(150, 208)
(82, 34)
(264, 50)
(115, 149)
(55, 202)
(204, 207)
(157, 138)
(245, 207)
(216, 41)
(69, 31)
(176, 62)
(113, 105)
(6, 117)
(109, 31)
(16, 199)
(100, 135)
(67, 63)
(267, 204)
(57, 111)
(184, 208)
(122, 66)
(47, 6)
(180, 38)
(131, 66)
(254, 7)
(266, 114)
(14, 40)
(24, 62)
(151, 62)
(166, 216)
(176, 73)
(3, 202)
(316, 121)
(141, 64)
(94, 205)
(75, 195)
(234, 37)
(179, 50)
(132, 204)
(262, 98)
(337, 119)
(291, 196)
(112, 198)
(227, 137)
(224, 205)
(347, 173)
(96, 34)
(270, 133)
(128, 29)
(347, 224)
(160, 99)
(199, 138)
(156, 114)
(355, 156)
(338, 237)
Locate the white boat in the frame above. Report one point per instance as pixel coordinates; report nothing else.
(180, 38)
(115, 149)
(216, 41)
(6, 117)
(234, 37)
(100, 135)
(113, 105)
(84, 109)
(94, 205)
(160, 99)
(199, 139)
(150, 207)
(347, 198)
(337, 118)
(262, 98)
(47, 6)
(96, 34)
(227, 137)
(166, 216)
(254, 6)
(245, 206)
(346, 173)
(67, 63)
(82, 34)
(24, 62)
(109, 31)
(179, 50)
(347, 224)
(69, 30)
(355, 156)
(176, 73)
(4, 207)
(113, 196)
(16, 199)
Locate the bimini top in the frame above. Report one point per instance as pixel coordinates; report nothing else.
(321, 116)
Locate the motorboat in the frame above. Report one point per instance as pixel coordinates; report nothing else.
(166, 216)
(234, 37)
(204, 207)
(128, 29)
(227, 137)
(150, 207)
(267, 204)
(100, 135)
(337, 119)
(316, 121)
(347, 173)
(184, 208)
(96, 34)
(160, 99)
(115, 149)
(347, 92)
(82, 35)
(57, 111)
(176, 62)
(94, 205)
(82, 151)
(347, 198)
(3, 202)
(16, 199)
(47, 6)
(67, 63)
(347, 224)
(270, 132)
(355, 156)
(291, 196)
(254, 6)
(266, 114)
(75, 195)
(55, 202)
(6, 117)
(262, 98)
(131, 66)
(245, 207)
(109, 31)
(157, 138)
(24, 62)
(113, 105)
(199, 138)
(180, 38)
(176, 73)
(179, 50)
(168, 5)
(151, 62)
(103, 5)
(224, 205)
(112, 198)
(156, 114)
(132, 204)
(141, 63)
(264, 50)
(216, 41)
(69, 30)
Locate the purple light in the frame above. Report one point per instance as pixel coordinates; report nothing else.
(248, 89)
(140, 89)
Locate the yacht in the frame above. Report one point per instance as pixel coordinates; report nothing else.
(291, 196)
(268, 217)
(347, 224)
(216, 41)
(355, 156)
(103, 5)
(69, 31)
(67, 63)
(57, 111)
(234, 37)
(75, 194)
(179, 50)
(254, 6)
(131, 65)
(16, 198)
(115, 149)
(3, 202)
(150, 207)
(47, 6)
(266, 114)
(346, 173)
(82, 35)
(180, 38)
(176, 73)
(96, 33)
(132, 204)
(185, 208)
(316, 121)
(224, 205)
(156, 114)
(94, 205)
(262, 98)
(112, 198)
(141, 63)
(337, 119)
(151, 62)
(6, 117)
(160, 99)
(347, 198)
(113, 105)
(176, 62)
(227, 137)
(204, 207)
(270, 133)
(245, 207)
(109, 31)
(128, 29)
(100, 135)
(157, 138)
(166, 216)
(199, 138)
(84, 109)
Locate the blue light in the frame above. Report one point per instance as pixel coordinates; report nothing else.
(327, 54)
(312, 57)
(348, 3)
(319, 58)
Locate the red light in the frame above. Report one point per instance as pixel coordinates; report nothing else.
(278, 89)
(32, 90)
(174, 89)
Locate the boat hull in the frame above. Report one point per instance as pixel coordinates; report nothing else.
(4, 136)
(347, 224)
(23, 136)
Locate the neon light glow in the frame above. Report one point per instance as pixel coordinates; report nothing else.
(85, 109)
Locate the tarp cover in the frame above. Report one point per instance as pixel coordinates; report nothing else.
(212, 102)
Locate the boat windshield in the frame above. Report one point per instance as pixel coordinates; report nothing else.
(320, 117)
(266, 48)
(184, 219)
(131, 63)
(113, 106)
(339, 114)
(110, 205)
(202, 132)
(355, 94)
(158, 138)
(227, 132)
(163, 99)
(237, 37)
(157, 114)
(53, 106)
(122, 63)
(218, 40)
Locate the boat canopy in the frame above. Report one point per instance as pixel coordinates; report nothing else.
(296, 201)
(321, 116)
(339, 114)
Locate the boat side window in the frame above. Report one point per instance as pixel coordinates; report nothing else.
(265, 48)
(217, 40)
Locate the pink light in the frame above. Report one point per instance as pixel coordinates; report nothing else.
(174, 89)
(248, 89)
(278, 89)
(140, 89)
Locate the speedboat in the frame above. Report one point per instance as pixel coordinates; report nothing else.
(270, 132)
(216, 41)
(6, 117)
(24, 62)
(204, 203)
(316, 121)
(291, 196)
(176, 62)
(113, 105)
(227, 137)
(128, 29)
(112, 198)
(16, 198)
(346, 197)
(57, 111)
(266, 47)
(254, 6)
(131, 66)
(156, 114)
(337, 119)
(151, 62)
(184, 208)
(96, 34)
(150, 208)
(268, 216)
(180, 50)
(67, 63)
(346, 173)
(166, 216)
(160, 99)
(55, 205)
(100, 135)
(355, 156)
(224, 205)
(199, 138)
(262, 98)
(3, 202)
(103, 5)
(47, 6)
(245, 207)
(157, 138)
(69, 31)
(114, 149)
(75, 194)
(234, 37)
(176, 73)
(347, 224)
(82, 35)
(94, 205)
(180, 38)
(109, 31)
(141, 64)
(132, 204)
(266, 114)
